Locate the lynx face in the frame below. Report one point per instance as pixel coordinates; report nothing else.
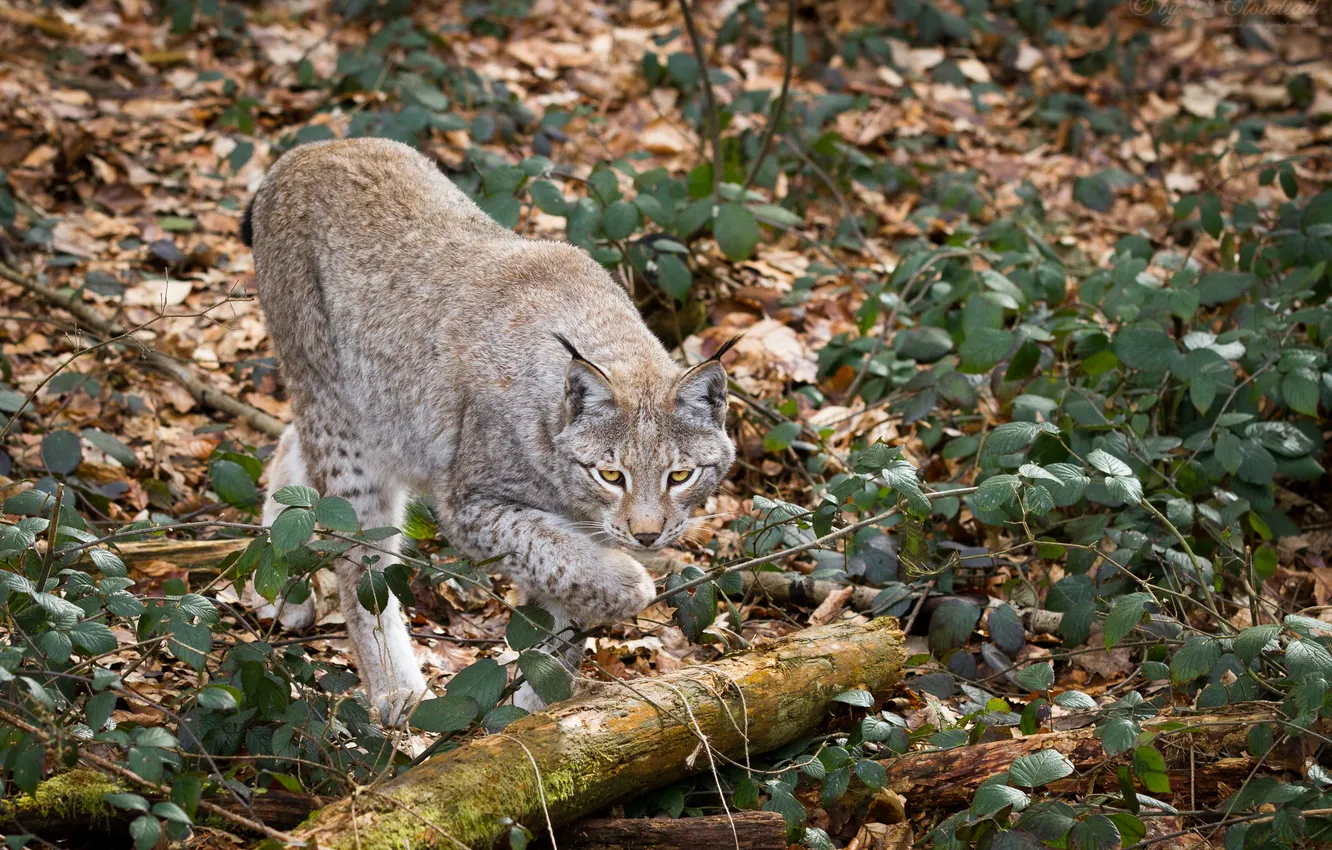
(638, 462)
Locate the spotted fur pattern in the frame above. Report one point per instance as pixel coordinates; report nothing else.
(426, 348)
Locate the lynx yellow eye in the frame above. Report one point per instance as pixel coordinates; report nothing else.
(680, 476)
(611, 476)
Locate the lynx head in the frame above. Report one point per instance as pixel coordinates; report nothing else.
(640, 453)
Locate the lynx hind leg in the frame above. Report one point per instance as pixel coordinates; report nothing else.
(286, 467)
(386, 660)
(570, 653)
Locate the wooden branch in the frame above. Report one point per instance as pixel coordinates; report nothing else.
(747, 830)
(190, 554)
(173, 369)
(617, 739)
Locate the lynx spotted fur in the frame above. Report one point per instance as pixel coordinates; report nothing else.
(426, 348)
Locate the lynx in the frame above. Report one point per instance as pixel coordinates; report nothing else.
(428, 349)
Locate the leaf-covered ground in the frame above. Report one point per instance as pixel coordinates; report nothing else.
(132, 135)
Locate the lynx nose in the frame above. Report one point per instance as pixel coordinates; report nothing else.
(647, 538)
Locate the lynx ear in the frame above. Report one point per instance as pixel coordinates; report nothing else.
(700, 394)
(587, 389)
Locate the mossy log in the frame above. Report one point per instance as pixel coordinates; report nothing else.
(71, 807)
(614, 740)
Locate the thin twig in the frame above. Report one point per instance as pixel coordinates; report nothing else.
(709, 99)
(206, 395)
(770, 129)
(846, 531)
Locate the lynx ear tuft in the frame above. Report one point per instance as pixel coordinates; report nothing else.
(587, 389)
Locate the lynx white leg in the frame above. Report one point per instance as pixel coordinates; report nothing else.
(286, 468)
(570, 654)
(386, 661)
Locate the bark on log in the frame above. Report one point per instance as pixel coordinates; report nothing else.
(752, 831)
(190, 554)
(949, 778)
(614, 740)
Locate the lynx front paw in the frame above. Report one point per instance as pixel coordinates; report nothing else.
(620, 589)
(396, 706)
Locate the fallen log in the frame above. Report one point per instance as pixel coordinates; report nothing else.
(70, 807)
(746, 830)
(949, 778)
(614, 740)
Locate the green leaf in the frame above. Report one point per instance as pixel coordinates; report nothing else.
(619, 220)
(1108, 463)
(1219, 287)
(1039, 768)
(924, 345)
(373, 591)
(1131, 829)
(98, 710)
(233, 484)
(94, 638)
(1148, 349)
(170, 811)
(1075, 700)
(996, 492)
(1011, 437)
(146, 831)
(1209, 208)
(993, 798)
(1037, 677)
(951, 624)
(674, 277)
(1094, 832)
(1150, 766)
(1006, 630)
(1124, 617)
(736, 231)
(548, 198)
(190, 643)
(1125, 488)
(130, 802)
(445, 714)
(781, 436)
(297, 495)
(528, 626)
(483, 680)
(270, 574)
(292, 528)
(220, 697)
(1250, 642)
(857, 697)
(983, 348)
(549, 678)
(1300, 390)
(1094, 193)
(336, 513)
(176, 224)
(773, 214)
(61, 452)
(112, 447)
(1194, 660)
(1306, 658)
